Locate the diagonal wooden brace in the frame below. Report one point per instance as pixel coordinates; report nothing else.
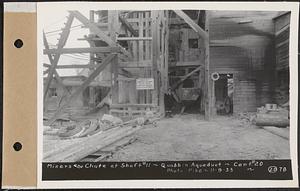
(54, 61)
(92, 76)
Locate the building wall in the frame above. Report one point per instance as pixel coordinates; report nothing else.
(242, 43)
(282, 31)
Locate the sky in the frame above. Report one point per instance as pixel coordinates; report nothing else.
(52, 24)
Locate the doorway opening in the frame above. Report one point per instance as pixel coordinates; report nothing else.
(224, 88)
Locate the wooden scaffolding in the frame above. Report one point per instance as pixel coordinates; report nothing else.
(132, 47)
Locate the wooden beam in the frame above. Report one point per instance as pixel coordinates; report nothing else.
(70, 66)
(132, 105)
(85, 21)
(136, 64)
(141, 93)
(154, 50)
(74, 66)
(82, 50)
(192, 24)
(128, 26)
(134, 38)
(54, 61)
(174, 86)
(208, 83)
(136, 20)
(85, 84)
(113, 20)
(95, 29)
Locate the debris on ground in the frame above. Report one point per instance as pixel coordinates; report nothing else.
(111, 119)
(246, 117)
(78, 139)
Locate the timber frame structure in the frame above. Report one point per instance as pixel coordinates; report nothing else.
(135, 45)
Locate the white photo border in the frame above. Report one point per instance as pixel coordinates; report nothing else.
(51, 7)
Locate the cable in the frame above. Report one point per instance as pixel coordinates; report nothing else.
(54, 34)
(55, 22)
(60, 30)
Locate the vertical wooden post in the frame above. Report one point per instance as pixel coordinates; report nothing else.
(167, 50)
(113, 19)
(141, 53)
(147, 51)
(154, 50)
(208, 83)
(163, 61)
(92, 98)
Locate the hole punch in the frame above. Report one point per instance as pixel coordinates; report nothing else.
(17, 146)
(18, 43)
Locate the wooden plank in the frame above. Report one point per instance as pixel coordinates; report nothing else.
(132, 105)
(141, 53)
(79, 90)
(174, 86)
(147, 35)
(154, 50)
(74, 66)
(82, 50)
(134, 38)
(192, 24)
(93, 145)
(113, 21)
(136, 64)
(136, 20)
(162, 62)
(207, 80)
(66, 149)
(54, 61)
(129, 111)
(126, 79)
(147, 53)
(95, 29)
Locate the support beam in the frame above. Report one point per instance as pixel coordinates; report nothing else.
(82, 50)
(72, 66)
(85, 21)
(54, 61)
(85, 84)
(134, 38)
(208, 83)
(174, 86)
(203, 34)
(154, 50)
(128, 26)
(113, 21)
(136, 64)
(95, 29)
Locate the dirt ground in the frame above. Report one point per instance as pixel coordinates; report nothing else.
(190, 137)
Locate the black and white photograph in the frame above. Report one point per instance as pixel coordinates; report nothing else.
(132, 86)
